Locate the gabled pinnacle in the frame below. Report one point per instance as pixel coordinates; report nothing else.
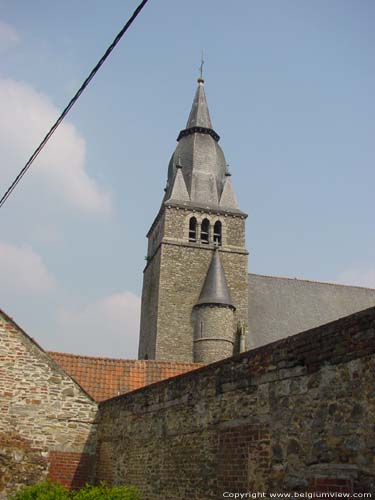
(215, 289)
(178, 190)
(228, 197)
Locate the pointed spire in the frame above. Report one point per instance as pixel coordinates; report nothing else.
(215, 289)
(199, 114)
(199, 119)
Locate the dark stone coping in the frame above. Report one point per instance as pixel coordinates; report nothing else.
(198, 130)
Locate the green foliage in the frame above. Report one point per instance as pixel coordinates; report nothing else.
(42, 491)
(50, 491)
(104, 492)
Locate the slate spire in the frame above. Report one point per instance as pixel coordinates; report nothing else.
(199, 120)
(199, 114)
(201, 160)
(215, 289)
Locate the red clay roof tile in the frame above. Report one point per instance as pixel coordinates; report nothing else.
(104, 378)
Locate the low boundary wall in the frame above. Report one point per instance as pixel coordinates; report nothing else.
(296, 415)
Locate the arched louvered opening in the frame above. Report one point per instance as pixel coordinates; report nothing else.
(193, 229)
(217, 233)
(205, 229)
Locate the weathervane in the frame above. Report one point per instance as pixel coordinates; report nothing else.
(201, 69)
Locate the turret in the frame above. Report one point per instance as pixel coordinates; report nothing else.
(213, 317)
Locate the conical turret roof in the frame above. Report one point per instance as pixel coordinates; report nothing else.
(215, 289)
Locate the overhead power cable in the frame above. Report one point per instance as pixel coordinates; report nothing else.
(72, 102)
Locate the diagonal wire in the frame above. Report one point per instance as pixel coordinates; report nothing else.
(72, 102)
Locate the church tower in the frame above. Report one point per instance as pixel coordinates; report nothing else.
(195, 283)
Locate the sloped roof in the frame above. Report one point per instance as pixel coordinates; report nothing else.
(215, 289)
(280, 307)
(104, 378)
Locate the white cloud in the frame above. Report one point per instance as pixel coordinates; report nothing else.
(8, 36)
(359, 277)
(22, 271)
(25, 117)
(107, 327)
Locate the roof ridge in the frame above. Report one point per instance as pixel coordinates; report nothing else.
(101, 358)
(312, 281)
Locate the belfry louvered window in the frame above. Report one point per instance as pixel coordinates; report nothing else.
(217, 233)
(205, 230)
(193, 229)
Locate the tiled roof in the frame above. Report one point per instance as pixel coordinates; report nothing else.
(104, 378)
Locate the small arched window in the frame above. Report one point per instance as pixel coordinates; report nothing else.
(217, 233)
(205, 228)
(193, 229)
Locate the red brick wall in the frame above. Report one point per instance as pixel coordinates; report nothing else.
(331, 485)
(244, 454)
(72, 470)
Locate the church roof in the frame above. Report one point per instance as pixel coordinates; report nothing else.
(215, 289)
(280, 307)
(105, 378)
(201, 160)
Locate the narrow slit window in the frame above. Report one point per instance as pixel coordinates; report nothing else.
(193, 229)
(217, 233)
(205, 228)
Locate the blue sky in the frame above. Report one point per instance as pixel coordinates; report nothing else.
(290, 90)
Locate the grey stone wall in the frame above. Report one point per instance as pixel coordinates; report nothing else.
(45, 417)
(174, 277)
(150, 304)
(213, 333)
(287, 417)
(237, 279)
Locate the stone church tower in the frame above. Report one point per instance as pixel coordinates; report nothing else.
(195, 284)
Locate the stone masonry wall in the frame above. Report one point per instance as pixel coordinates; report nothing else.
(46, 420)
(174, 277)
(149, 311)
(293, 416)
(181, 278)
(213, 333)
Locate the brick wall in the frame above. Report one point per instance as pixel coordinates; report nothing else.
(46, 419)
(293, 416)
(71, 469)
